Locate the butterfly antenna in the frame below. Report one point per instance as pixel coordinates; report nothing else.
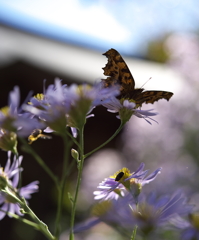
(146, 82)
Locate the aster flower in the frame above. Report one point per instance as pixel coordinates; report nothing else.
(154, 212)
(62, 106)
(122, 182)
(189, 227)
(10, 177)
(149, 214)
(13, 119)
(126, 109)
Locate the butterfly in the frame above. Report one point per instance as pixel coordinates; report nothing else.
(118, 73)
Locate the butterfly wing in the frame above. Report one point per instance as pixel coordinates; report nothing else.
(152, 96)
(117, 72)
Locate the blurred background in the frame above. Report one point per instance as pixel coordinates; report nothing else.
(158, 39)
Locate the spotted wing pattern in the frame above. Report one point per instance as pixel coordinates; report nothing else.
(117, 72)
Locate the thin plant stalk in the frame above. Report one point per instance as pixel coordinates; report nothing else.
(65, 172)
(80, 169)
(103, 144)
(41, 226)
(27, 148)
(134, 233)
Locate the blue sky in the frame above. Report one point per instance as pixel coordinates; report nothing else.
(122, 24)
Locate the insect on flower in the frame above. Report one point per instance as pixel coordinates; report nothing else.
(37, 133)
(117, 72)
(119, 176)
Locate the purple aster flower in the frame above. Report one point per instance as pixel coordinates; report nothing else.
(123, 182)
(153, 212)
(149, 214)
(62, 106)
(13, 119)
(126, 109)
(189, 227)
(11, 176)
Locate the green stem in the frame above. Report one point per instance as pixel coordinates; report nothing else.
(41, 226)
(58, 215)
(103, 144)
(136, 227)
(134, 233)
(74, 139)
(65, 173)
(27, 148)
(80, 169)
(26, 221)
(20, 175)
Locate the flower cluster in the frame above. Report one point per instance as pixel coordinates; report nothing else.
(9, 180)
(60, 106)
(149, 214)
(124, 205)
(120, 199)
(14, 119)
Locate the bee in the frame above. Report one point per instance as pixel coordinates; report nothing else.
(37, 133)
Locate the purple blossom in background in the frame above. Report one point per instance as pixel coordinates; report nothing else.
(11, 173)
(189, 227)
(149, 213)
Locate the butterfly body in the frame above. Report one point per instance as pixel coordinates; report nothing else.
(118, 73)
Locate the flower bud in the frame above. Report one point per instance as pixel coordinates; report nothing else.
(75, 154)
(8, 141)
(135, 188)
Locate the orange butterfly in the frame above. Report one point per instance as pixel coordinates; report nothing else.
(119, 73)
